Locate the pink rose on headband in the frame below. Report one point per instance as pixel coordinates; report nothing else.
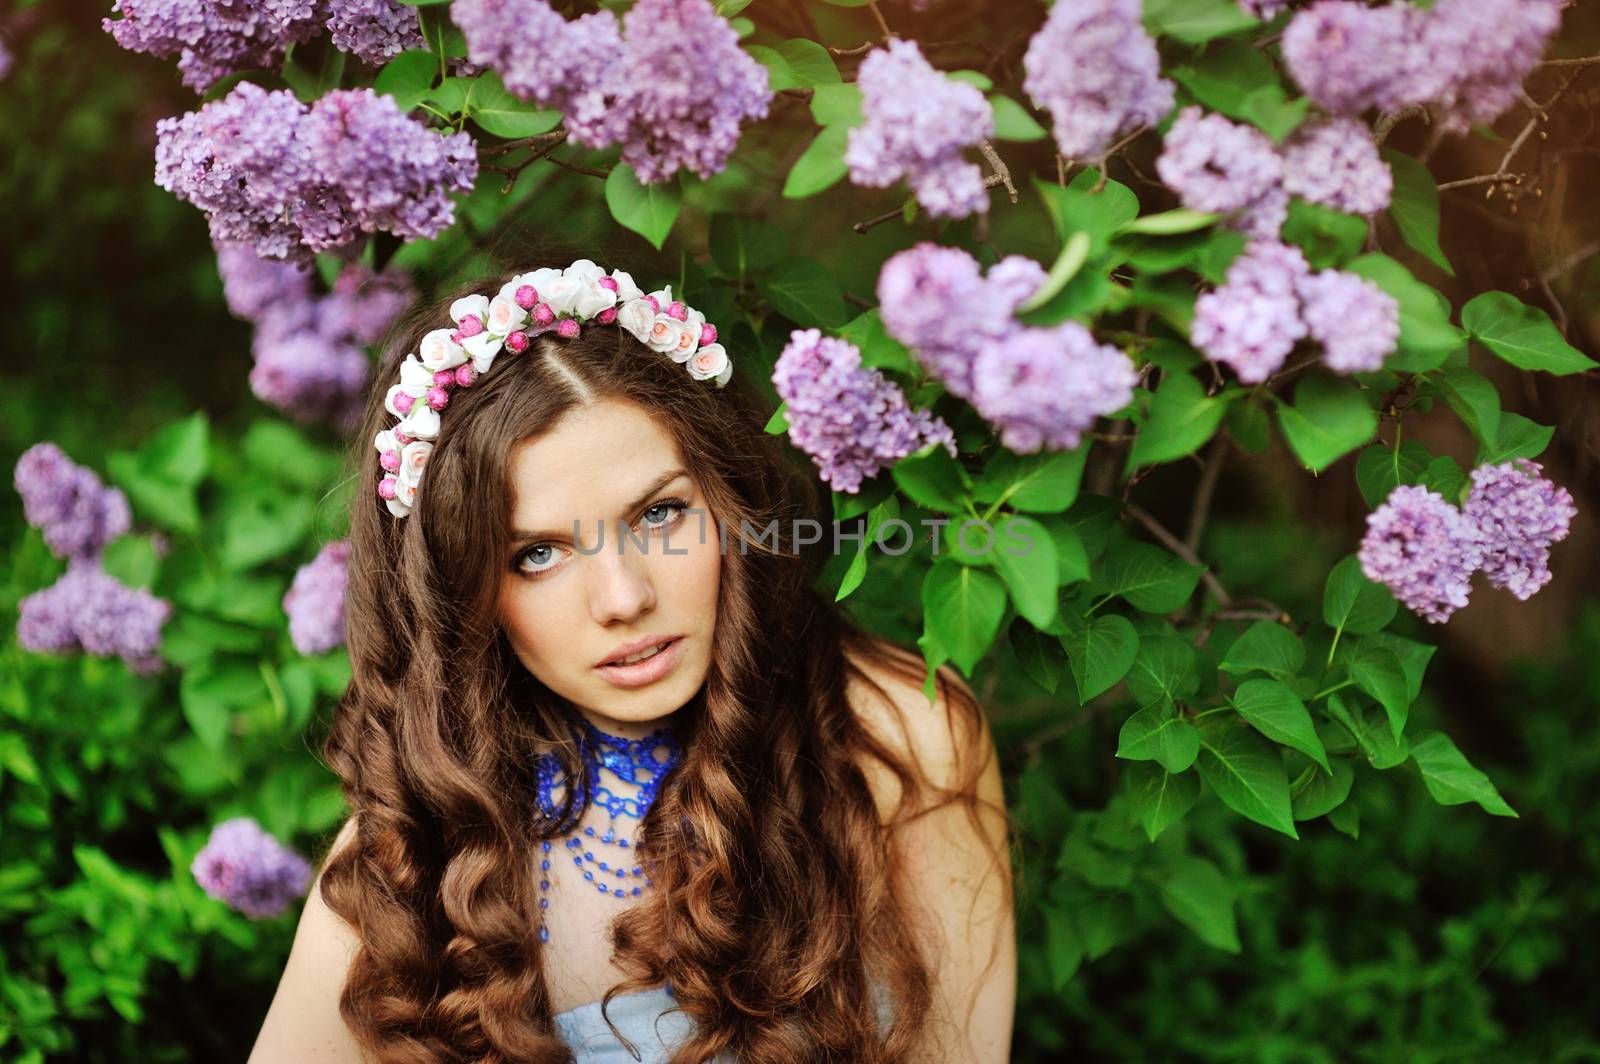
(437, 351)
(504, 315)
(412, 460)
(711, 361)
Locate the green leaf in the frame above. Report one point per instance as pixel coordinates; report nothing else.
(1025, 558)
(1329, 419)
(1414, 206)
(1159, 733)
(1426, 335)
(810, 62)
(277, 451)
(857, 571)
(878, 349)
(1352, 603)
(1063, 948)
(1012, 122)
(1196, 21)
(1160, 799)
(1522, 335)
(1277, 712)
(161, 477)
(1377, 742)
(1165, 670)
(1320, 793)
(803, 291)
(1045, 482)
(1074, 253)
(931, 479)
(1377, 671)
(1201, 899)
(648, 210)
(408, 77)
(211, 692)
(1347, 819)
(1519, 438)
(1040, 656)
(259, 528)
(1181, 420)
(1445, 477)
(1168, 223)
(1328, 237)
(780, 75)
(1101, 651)
(836, 105)
(1450, 777)
(1475, 400)
(778, 422)
(1247, 775)
(1237, 79)
(963, 606)
(820, 166)
(1150, 578)
(1265, 646)
(131, 560)
(1077, 207)
(1380, 469)
(976, 78)
(740, 245)
(497, 111)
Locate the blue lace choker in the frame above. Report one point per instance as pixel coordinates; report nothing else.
(645, 762)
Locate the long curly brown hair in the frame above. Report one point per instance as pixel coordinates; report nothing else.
(773, 909)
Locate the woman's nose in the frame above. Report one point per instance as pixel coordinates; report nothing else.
(619, 581)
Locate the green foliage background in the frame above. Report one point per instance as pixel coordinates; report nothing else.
(1397, 927)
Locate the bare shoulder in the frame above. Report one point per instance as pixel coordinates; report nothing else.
(303, 1024)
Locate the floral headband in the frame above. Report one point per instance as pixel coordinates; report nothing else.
(546, 300)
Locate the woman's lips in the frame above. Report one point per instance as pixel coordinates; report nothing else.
(647, 671)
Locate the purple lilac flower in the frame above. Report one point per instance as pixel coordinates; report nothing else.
(315, 601)
(1265, 10)
(1335, 163)
(1253, 320)
(1422, 549)
(363, 304)
(918, 122)
(1480, 51)
(212, 39)
(935, 301)
(851, 421)
(1349, 57)
(289, 181)
(66, 501)
(1095, 69)
(249, 870)
(87, 609)
(1042, 388)
(375, 31)
(1217, 165)
(1357, 323)
(253, 285)
(1517, 515)
(540, 56)
(308, 376)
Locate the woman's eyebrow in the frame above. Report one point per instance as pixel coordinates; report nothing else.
(644, 496)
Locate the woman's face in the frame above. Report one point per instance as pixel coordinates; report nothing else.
(612, 544)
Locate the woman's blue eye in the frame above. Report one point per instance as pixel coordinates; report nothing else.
(531, 555)
(542, 555)
(675, 505)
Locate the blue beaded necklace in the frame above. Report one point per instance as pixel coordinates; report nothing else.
(630, 760)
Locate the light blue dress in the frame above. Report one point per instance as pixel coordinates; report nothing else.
(644, 1018)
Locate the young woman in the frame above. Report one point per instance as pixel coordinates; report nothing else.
(624, 785)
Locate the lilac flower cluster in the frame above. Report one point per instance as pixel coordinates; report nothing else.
(308, 357)
(918, 122)
(1334, 163)
(213, 39)
(1040, 387)
(66, 501)
(1217, 165)
(851, 421)
(291, 180)
(1464, 59)
(1095, 69)
(1271, 299)
(315, 601)
(671, 85)
(249, 870)
(1425, 550)
(88, 610)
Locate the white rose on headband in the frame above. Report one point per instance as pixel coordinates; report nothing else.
(540, 277)
(688, 340)
(626, 288)
(482, 348)
(708, 362)
(663, 297)
(437, 351)
(384, 442)
(504, 315)
(592, 299)
(559, 292)
(636, 317)
(584, 272)
(422, 422)
(667, 335)
(415, 378)
(478, 304)
(405, 497)
(412, 460)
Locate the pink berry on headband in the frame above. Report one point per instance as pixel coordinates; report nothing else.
(543, 314)
(517, 341)
(444, 378)
(456, 336)
(465, 375)
(471, 325)
(655, 304)
(438, 398)
(678, 309)
(402, 438)
(708, 334)
(568, 327)
(390, 460)
(527, 296)
(608, 283)
(386, 488)
(402, 403)
(607, 316)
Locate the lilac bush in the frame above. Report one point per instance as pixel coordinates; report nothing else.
(1517, 515)
(1423, 550)
(314, 603)
(88, 610)
(249, 870)
(1217, 165)
(77, 514)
